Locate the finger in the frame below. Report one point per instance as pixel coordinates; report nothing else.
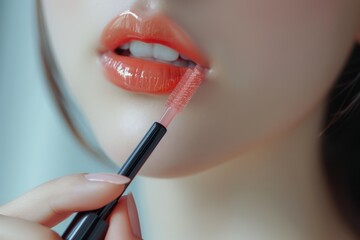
(124, 221)
(52, 202)
(15, 229)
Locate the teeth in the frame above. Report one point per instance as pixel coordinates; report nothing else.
(164, 53)
(141, 49)
(155, 51)
(148, 50)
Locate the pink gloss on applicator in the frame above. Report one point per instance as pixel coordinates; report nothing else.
(92, 225)
(182, 94)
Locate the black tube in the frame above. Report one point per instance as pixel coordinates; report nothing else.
(91, 225)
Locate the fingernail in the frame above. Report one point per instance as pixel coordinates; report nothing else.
(107, 177)
(133, 216)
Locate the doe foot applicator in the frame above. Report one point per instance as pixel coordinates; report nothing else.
(92, 225)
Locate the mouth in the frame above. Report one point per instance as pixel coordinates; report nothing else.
(147, 55)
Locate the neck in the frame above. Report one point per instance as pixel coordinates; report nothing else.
(276, 191)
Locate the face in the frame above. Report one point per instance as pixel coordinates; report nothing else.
(271, 63)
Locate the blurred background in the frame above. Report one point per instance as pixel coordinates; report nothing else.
(35, 143)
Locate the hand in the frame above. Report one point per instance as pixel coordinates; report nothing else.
(32, 215)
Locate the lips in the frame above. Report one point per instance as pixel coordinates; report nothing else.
(144, 73)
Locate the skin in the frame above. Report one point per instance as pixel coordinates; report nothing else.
(272, 65)
(266, 74)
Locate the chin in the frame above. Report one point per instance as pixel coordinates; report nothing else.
(168, 168)
(168, 161)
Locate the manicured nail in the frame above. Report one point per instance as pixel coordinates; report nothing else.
(133, 216)
(107, 177)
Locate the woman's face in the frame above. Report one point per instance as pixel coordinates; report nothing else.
(271, 62)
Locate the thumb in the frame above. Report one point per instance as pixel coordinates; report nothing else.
(54, 201)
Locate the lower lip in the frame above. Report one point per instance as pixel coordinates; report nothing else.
(140, 75)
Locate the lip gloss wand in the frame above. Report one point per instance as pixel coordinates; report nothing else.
(92, 225)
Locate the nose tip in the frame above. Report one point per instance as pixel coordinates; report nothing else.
(146, 6)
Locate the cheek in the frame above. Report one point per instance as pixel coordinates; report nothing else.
(274, 61)
(74, 29)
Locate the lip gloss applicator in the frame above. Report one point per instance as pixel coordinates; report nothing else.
(92, 225)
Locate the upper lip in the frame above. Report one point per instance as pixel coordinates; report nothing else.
(130, 26)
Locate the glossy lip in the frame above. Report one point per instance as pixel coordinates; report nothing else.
(141, 75)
